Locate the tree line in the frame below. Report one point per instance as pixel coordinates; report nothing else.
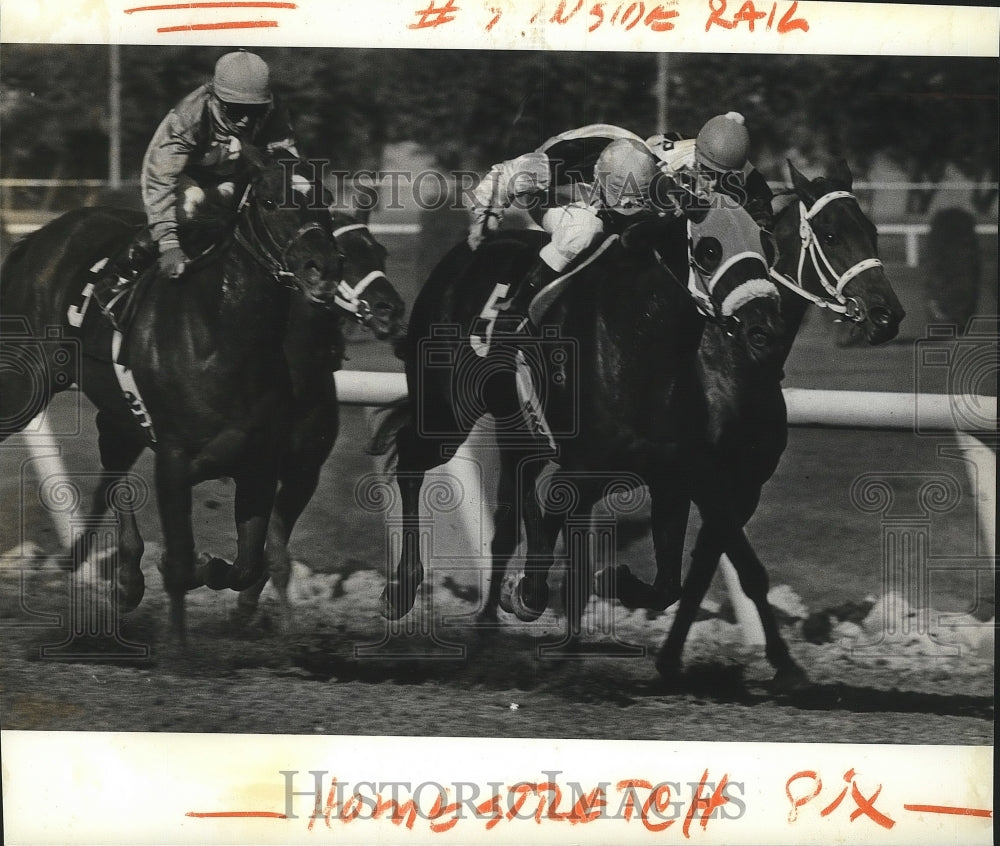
(472, 108)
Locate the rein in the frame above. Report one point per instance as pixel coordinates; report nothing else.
(262, 245)
(832, 283)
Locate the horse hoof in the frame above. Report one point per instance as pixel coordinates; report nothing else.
(522, 610)
(397, 601)
(789, 679)
(213, 572)
(669, 668)
(506, 589)
(608, 580)
(130, 593)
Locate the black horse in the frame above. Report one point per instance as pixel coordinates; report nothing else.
(827, 255)
(314, 350)
(615, 370)
(206, 383)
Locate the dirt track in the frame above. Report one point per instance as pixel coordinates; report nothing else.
(313, 681)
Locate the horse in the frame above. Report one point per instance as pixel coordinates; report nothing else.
(314, 350)
(203, 379)
(828, 256)
(615, 370)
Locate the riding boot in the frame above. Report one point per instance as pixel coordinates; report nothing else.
(513, 318)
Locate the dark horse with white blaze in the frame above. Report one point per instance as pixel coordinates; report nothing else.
(619, 383)
(828, 255)
(208, 384)
(314, 350)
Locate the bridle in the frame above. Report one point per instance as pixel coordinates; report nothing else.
(349, 296)
(262, 245)
(832, 282)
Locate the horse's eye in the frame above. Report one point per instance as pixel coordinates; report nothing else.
(829, 238)
(270, 205)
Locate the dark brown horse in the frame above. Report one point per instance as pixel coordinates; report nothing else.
(314, 350)
(206, 383)
(828, 255)
(615, 371)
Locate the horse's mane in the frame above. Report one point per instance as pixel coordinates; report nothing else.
(216, 218)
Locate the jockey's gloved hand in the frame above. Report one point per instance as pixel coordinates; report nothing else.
(173, 261)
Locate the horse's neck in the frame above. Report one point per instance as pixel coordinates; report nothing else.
(313, 341)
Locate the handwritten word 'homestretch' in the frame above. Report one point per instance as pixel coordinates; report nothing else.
(626, 15)
(654, 805)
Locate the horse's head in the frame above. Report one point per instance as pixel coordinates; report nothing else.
(729, 278)
(286, 231)
(365, 291)
(843, 270)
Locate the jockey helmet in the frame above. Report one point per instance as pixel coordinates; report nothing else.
(723, 143)
(242, 77)
(624, 171)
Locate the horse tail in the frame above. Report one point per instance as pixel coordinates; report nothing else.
(384, 426)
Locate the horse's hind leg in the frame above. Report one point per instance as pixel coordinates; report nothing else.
(400, 593)
(506, 534)
(754, 582)
(173, 494)
(119, 451)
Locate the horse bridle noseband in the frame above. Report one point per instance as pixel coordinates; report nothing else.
(832, 283)
(348, 296)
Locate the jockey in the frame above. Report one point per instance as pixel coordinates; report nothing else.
(716, 162)
(578, 185)
(603, 178)
(194, 152)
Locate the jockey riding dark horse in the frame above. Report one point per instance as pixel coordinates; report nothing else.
(625, 337)
(206, 382)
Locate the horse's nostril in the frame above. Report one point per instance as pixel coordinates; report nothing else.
(880, 316)
(759, 337)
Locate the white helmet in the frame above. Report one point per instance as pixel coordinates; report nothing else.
(624, 172)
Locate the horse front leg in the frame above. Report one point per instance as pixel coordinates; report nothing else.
(668, 521)
(755, 584)
(712, 540)
(255, 491)
(294, 492)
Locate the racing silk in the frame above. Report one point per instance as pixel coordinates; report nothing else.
(563, 166)
(748, 187)
(194, 140)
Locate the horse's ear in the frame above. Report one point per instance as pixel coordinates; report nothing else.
(840, 173)
(801, 184)
(363, 214)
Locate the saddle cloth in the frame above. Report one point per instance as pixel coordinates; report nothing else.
(101, 318)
